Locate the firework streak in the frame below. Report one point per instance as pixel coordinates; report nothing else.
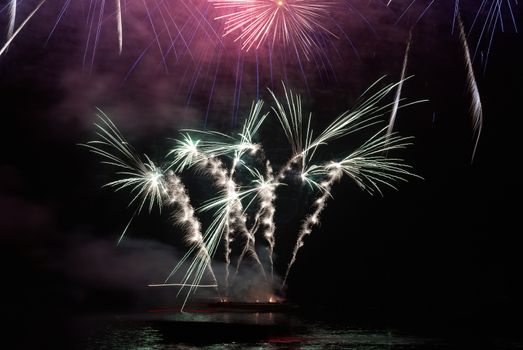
(476, 109)
(246, 186)
(490, 16)
(293, 23)
(195, 41)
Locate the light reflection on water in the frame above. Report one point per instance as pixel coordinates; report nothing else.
(147, 334)
(257, 318)
(114, 337)
(150, 338)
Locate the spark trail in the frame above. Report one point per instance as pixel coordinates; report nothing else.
(363, 165)
(490, 16)
(493, 14)
(313, 219)
(20, 27)
(397, 98)
(476, 108)
(185, 218)
(150, 184)
(12, 18)
(366, 166)
(245, 203)
(293, 23)
(235, 213)
(119, 25)
(203, 155)
(183, 285)
(265, 216)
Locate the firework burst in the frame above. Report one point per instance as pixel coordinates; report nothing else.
(148, 183)
(366, 166)
(491, 16)
(209, 46)
(244, 206)
(293, 23)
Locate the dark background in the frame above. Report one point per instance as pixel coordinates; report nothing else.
(441, 253)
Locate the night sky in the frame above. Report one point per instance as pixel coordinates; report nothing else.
(444, 249)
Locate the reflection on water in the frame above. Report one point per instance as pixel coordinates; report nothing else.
(125, 336)
(255, 318)
(146, 337)
(197, 331)
(236, 330)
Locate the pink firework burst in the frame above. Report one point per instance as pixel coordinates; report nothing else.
(292, 23)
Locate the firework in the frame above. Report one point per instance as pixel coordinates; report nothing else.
(190, 40)
(12, 18)
(150, 184)
(13, 33)
(492, 14)
(365, 166)
(229, 209)
(476, 109)
(245, 202)
(397, 98)
(143, 179)
(99, 12)
(293, 23)
(119, 24)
